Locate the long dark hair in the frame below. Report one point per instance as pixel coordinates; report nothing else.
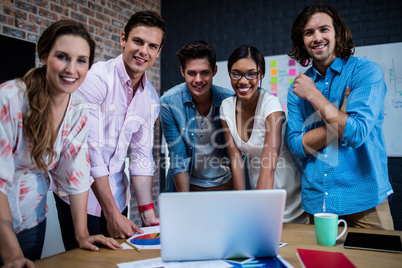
(344, 44)
(37, 121)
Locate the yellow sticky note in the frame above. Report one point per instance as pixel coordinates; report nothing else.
(274, 63)
(274, 71)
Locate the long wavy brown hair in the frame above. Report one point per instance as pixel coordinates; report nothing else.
(37, 121)
(344, 47)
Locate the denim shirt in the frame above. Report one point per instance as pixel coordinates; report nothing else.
(177, 118)
(348, 175)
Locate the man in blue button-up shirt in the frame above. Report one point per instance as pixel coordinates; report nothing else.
(191, 124)
(335, 115)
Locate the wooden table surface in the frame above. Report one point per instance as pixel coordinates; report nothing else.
(296, 235)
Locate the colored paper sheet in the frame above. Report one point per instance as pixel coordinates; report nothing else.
(291, 81)
(292, 62)
(146, 240)
(292, 72)
(274, 71)
(274, 63)
(275, 94)
(150, 239)
(277, 262)
(274, 80)
(274, 87)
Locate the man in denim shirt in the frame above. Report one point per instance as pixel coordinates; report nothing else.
(342, 153)
(190, 122)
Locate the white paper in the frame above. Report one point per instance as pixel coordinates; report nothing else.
(158, 263)
(282, 244)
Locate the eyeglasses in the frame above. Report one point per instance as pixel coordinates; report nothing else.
(248, 76)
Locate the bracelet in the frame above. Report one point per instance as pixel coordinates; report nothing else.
(145, 207)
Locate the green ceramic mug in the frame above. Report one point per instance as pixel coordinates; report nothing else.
(326, 228)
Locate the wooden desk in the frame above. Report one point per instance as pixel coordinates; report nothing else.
(296, 235)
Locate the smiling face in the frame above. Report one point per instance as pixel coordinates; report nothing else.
(67, 64)
(319, 40)
(245, 89)
(140, 49)
(198, 74)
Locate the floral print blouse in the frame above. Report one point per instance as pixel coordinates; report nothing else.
(20, 180)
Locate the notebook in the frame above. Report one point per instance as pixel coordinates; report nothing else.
(317, 259)
(220, 224)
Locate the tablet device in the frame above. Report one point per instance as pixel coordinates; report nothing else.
(388, 243)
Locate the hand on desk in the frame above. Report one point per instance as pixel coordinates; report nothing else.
(89, 241)
(148, 218)
(19, 262)
(121, 227)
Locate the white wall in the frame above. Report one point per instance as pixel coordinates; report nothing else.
(53, 240)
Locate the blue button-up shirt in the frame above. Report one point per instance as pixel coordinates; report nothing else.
(348, 175)
(177, 118)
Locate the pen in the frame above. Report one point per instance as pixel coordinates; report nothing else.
(134, 247)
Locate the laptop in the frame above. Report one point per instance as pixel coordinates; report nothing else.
(220, 224)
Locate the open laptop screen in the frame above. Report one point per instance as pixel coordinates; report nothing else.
(220, 225)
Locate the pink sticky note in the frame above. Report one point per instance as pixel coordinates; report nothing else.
(292, 72)
(275, 94)
(292, 62)
(284, 107)
(274, 87)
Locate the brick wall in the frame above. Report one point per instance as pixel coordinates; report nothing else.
(105, 20)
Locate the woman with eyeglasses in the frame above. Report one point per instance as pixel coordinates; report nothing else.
(253, 122)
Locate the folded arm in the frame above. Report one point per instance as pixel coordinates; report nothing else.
(317, 138)
(334, 120)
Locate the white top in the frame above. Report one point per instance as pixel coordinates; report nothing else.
(21, 181)
(287, 174)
